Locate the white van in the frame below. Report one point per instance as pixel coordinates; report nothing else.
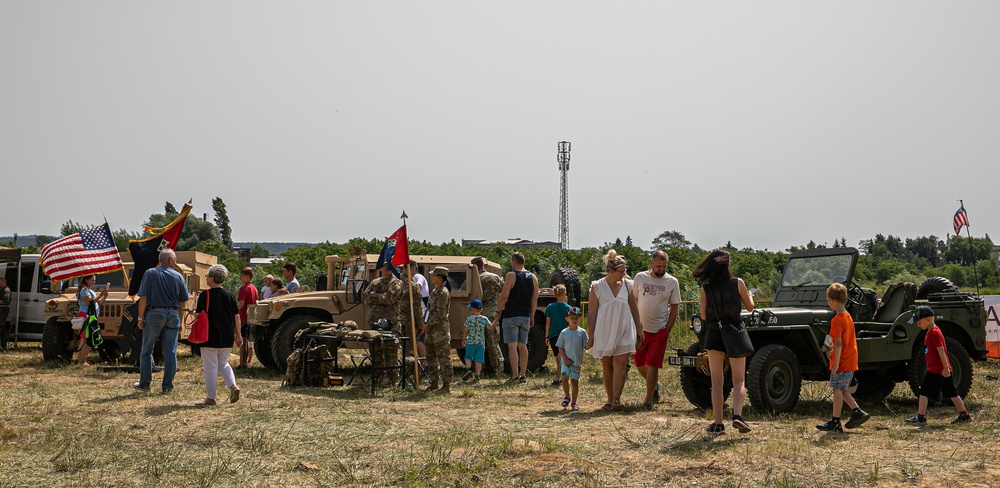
(29, 291)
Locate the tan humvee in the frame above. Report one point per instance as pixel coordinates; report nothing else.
(278, 319)
(117, 316)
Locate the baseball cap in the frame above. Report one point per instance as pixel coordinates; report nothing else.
(574, 312)
(921, 312)
(475, 304)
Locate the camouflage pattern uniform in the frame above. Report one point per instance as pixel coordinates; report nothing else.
(492, 286)
(438, 339)
(382, 298)
(4, 310)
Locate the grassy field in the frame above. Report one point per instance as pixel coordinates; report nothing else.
(64, 425)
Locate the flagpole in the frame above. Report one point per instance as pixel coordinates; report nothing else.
(972, 254)
(413, 321)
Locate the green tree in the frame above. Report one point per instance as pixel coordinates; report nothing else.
(670, 239)
(71, 227)
(169, 208)
(195, 230)
(222, 222)
(259, 251)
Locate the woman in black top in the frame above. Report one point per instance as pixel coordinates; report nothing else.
(721, 297)
(223, 317)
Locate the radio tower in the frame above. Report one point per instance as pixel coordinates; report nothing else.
(563, 158)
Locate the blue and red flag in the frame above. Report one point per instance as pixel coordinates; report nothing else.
(395, 251)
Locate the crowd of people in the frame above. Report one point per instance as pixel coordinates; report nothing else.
(628, 318)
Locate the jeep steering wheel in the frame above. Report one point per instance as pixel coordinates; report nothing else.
(854, 289)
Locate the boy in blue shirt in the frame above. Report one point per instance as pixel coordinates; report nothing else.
(571, 343)
(474, 340)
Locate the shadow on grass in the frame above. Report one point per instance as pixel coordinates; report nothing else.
(159, 410)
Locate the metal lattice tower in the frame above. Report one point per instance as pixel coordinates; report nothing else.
(563, 158)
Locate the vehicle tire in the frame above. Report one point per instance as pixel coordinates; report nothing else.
(56, 337)
(873, 387)
(697, 386)
(961, 373)
(283, 342)
(774, 379)
(262, 347)
(571, 280)
(935, 284)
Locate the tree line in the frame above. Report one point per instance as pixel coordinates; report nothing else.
(884, 259)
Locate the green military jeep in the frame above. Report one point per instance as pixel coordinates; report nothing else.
(788, 336)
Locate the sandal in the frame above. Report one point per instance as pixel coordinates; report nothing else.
(607, 407)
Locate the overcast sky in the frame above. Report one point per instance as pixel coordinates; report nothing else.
(762, 123)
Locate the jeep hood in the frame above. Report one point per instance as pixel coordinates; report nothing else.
(785, 316)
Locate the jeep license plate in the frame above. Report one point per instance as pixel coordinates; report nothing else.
(686, 361)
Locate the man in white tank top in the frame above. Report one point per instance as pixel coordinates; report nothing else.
(659, 296)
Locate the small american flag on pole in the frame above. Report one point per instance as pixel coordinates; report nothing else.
(89, 252)
(961, 220)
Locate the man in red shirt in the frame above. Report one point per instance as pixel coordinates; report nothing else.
(938, 377)
(247, 296)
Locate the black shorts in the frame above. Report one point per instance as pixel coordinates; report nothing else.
(552, 344)
(713, 337)
(246, 331)
(934, 383)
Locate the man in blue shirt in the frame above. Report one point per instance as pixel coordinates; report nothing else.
(163, 294)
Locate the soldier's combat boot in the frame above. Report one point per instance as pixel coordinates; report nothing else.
(445, 390)
(433, 386)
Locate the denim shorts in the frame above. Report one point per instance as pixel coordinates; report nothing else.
(515, 329)
(572, 371)
(841, 381)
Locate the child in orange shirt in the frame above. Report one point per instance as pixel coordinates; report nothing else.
(843, 362)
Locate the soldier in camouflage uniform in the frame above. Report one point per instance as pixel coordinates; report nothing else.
(492, 285)
(382, 298)
(404, 309)
(438, 331)
(4, 310)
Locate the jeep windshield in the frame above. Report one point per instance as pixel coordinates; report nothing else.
(817, 270)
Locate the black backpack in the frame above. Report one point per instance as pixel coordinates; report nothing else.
(92, 330)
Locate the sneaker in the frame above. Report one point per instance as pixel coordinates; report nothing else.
(717, 429)
(962, 418)
(574, 407)
(522, 379)
(916, 419)
(741, 424)
(857, 418)
(647, 405)
(475, 379)
(831, 426)
(138, 386)
(565, 402)
(234, 394)
(656, 394)
(467, 376)
(557, 382)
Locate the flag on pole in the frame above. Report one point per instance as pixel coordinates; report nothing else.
(395, 251)
(92, 251)
(146, 252)
(961, 220)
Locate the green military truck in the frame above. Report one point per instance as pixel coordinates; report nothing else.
(788, 336)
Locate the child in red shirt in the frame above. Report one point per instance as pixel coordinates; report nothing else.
(938, 377)
(843, 362)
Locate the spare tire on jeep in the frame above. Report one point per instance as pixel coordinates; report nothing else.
(935, 284)
(568, 278)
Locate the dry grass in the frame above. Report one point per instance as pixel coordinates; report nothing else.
(72, 426)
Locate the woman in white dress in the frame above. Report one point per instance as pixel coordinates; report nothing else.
(615, 330)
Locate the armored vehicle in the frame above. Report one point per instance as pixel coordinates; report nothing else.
(789, 336)
(118, 314)
(277, 319)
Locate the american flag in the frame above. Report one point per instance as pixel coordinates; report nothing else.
(90, 251)
(961, 219)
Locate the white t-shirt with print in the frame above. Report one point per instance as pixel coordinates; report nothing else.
(655, 295)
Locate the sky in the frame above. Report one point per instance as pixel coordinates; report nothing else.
(763, 124)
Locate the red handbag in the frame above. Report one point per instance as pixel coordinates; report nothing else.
(199, 329)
